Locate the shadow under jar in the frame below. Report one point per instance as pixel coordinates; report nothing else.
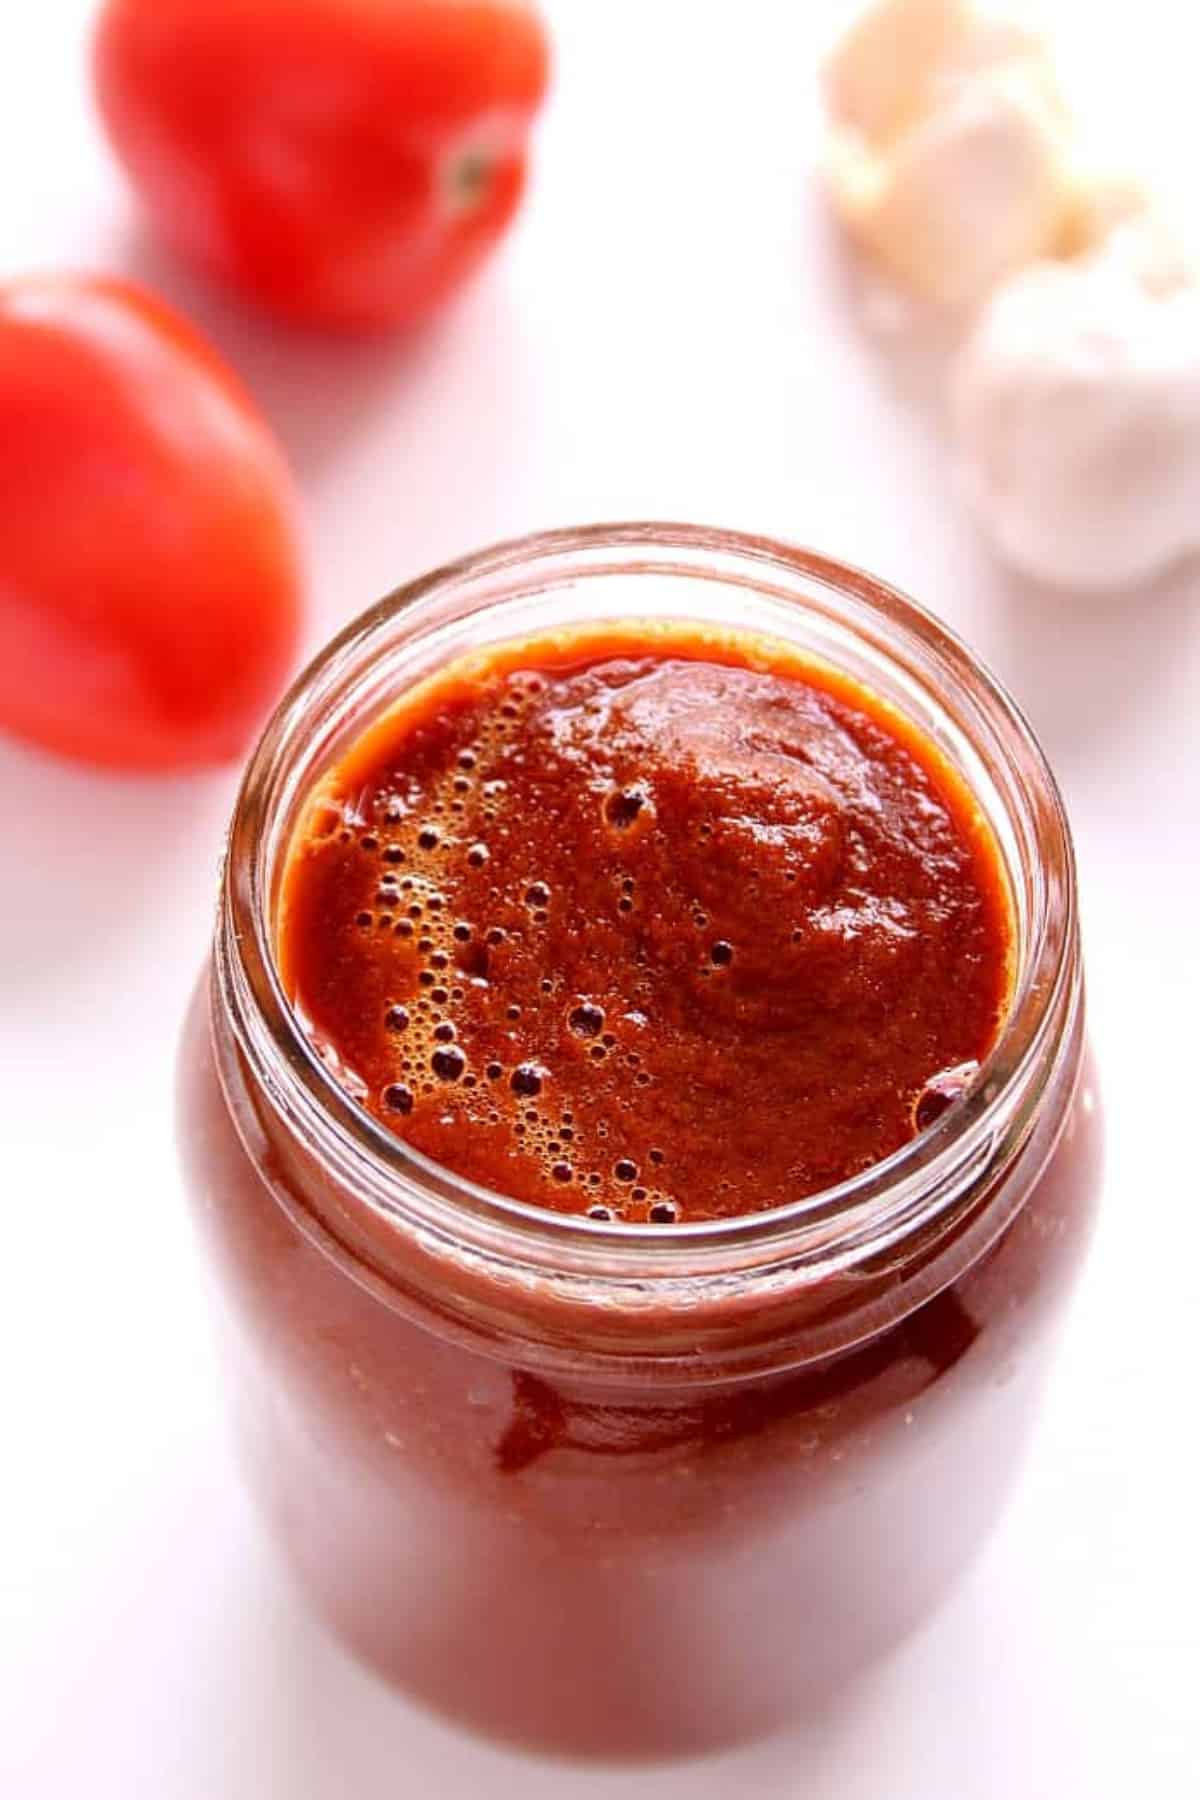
(623, 1489)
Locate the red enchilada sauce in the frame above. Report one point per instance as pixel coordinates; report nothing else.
(654, 924)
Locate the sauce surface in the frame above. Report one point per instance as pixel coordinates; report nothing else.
(653, 923)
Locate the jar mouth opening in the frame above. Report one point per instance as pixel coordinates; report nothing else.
(463, 604)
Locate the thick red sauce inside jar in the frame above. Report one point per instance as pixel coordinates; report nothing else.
(705, 908)
(652, 923)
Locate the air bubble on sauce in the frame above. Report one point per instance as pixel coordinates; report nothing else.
(448, 1064)
(527, 1078)
(623, 808)
(941, 1092)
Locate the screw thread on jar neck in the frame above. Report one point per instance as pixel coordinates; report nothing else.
(366, 1194)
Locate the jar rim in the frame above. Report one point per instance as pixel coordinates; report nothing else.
(836, 1229)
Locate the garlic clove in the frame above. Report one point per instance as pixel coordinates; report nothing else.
(981, 186)
(1076, 410)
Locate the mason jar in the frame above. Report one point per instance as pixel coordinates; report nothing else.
(605, 1487)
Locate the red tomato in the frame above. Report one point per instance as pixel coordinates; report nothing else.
(149, 577)
(346, 162)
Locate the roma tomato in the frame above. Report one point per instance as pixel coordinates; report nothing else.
(345, 162)
(149, 576)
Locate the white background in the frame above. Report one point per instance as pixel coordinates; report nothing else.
(672, 331)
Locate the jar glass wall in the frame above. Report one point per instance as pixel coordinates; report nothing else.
(594, 1485)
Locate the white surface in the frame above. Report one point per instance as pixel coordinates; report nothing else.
(669, 333)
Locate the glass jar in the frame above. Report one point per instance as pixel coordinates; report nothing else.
(613, 1488)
